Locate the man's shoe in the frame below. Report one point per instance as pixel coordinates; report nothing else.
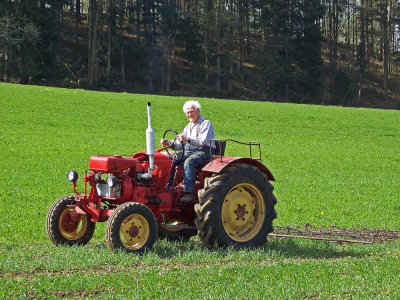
(168, 186)
(187, 198)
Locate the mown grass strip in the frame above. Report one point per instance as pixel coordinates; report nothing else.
(292, 279)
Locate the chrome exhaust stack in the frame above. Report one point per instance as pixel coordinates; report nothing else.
(150, 144)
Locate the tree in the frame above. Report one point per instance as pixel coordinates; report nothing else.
(169, 23)
(14, 34)
(33, 43)
(93, 16)
(307, 51)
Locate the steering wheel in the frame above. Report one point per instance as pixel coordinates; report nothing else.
(173, 148)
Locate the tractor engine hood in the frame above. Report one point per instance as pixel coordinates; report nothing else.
(111, 163)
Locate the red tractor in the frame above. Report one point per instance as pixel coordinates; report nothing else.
(234, 204)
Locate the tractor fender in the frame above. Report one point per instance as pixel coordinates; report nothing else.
(220, 163)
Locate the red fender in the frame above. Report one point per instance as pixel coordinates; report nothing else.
(220, 163)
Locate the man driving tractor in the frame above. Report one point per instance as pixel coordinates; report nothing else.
(195, 139)
(235, 197)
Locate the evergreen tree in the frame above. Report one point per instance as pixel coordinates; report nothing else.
(306, 52)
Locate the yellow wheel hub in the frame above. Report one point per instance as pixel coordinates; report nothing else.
(243, 212)
(72, 225)
(134, 232)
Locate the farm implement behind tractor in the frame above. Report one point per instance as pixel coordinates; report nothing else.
(336, 234)
(234, 201)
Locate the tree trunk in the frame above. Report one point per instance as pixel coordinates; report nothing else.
(218, 21)
(287, 74)
(330, 39)
(168, 49)
(110, 24)
(167, 64)
(382, 31)
(169, 67)
(77, 20)
(348, 38)
(367, 41)
(92, 61)
(372, 36)
(335, 43)
(78, 11)
(208, 26)
(361, 56)
(231, 48)
(397, 81)
(5, 78)
(109, 51)
(247, 28)
(138, 22)
(385, 47)
(241, 36)
(218, 83)
(121, 36)
(230, 83)
(122, 64)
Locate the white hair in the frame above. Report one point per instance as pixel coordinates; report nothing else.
(191, 103)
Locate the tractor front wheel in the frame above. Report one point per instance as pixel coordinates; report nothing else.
(131, 227)
(65, 226)
(236, 208)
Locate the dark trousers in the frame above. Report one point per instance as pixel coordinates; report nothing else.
(192, 159)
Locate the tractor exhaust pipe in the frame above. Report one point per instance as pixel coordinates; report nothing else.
(150, 143)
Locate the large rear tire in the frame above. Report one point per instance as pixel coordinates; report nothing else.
(64, 226)
(236, 208)
(132, 227)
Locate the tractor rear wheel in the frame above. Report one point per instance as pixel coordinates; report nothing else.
(131, 227)
(65, 226)
(236, 208)
(173, 234)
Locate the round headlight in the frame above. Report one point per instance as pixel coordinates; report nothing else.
(97, 177)
(72, 176)
(112, 181)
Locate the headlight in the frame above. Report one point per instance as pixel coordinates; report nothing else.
(112, 181)
(72, 176)
(97, 177)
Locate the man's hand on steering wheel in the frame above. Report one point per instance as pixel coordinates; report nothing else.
(182, 138)
(170, 143)
(166, 142)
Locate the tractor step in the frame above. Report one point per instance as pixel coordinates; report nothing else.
(178, 226)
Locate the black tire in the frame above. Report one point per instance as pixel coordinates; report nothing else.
(175, 235)
(62, 230)
(224, 215)
(132, 227)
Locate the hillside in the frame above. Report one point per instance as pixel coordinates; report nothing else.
(144, 73)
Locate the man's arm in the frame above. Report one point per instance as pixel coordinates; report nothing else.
(181, 138)
(206, 133)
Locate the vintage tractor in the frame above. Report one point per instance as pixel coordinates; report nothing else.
(234, 204)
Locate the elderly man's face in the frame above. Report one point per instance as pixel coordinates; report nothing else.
(193, 114)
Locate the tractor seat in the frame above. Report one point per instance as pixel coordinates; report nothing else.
(220, 147)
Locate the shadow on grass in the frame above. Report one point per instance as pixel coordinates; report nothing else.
(274, 248)
(315, 249)
(283, 248)
(171, 249)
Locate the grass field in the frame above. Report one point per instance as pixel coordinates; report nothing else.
(332, 165)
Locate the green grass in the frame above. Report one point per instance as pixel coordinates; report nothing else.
(332, 165)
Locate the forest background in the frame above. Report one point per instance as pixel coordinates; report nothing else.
(335, 52)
